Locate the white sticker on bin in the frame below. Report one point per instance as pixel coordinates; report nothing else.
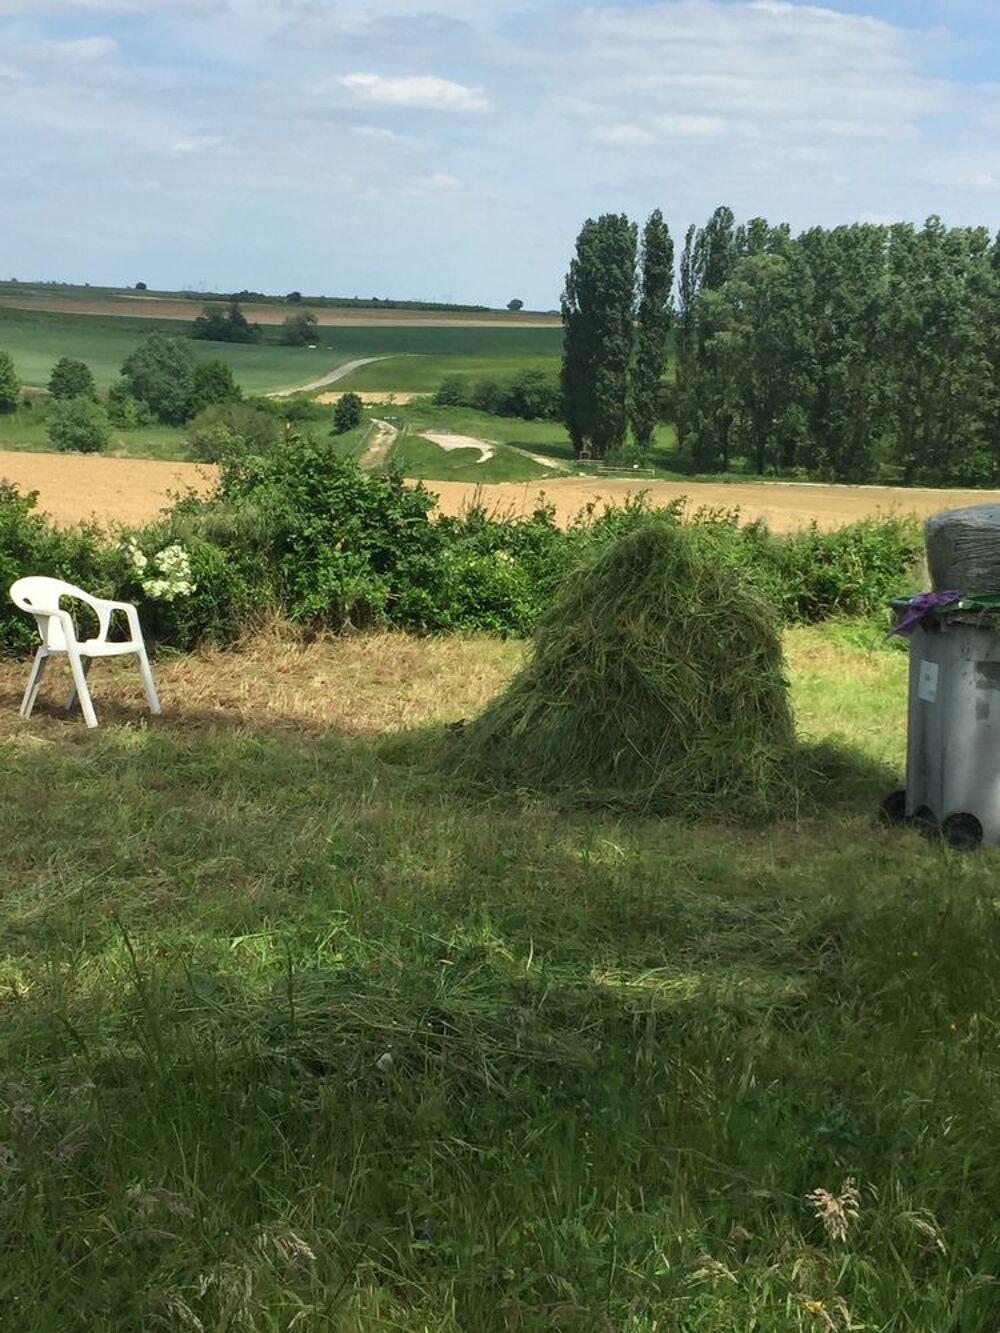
(927, 685)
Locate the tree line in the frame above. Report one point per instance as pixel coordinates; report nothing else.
(854, 353)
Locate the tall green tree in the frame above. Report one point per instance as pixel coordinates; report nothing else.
(939, 367)
(847, 324)
(161, 374)
(706, 261)
(759, 351)
(10, 385)
(598, 310)
(652, 329)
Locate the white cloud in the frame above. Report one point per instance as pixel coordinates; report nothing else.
(83, 49)
(199, 143)
(439, 180)
(417, 91)
(691, 126)
(624, 136)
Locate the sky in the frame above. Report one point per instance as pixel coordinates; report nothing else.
(450, 149)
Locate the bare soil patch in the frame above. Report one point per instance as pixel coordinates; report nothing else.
(379, 398)
(73, 487)
(449, 441)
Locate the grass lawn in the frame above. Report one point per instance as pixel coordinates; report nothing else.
(301, 1035)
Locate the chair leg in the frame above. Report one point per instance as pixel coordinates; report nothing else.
(147, 680)
(34, 681)
(80, 691)
(87, 663)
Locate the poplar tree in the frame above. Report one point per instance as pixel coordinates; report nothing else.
(598, 310)
(653, 328)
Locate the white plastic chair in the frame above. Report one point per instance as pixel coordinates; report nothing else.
(41, 597)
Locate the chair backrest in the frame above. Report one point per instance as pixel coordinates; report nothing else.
(40, 596)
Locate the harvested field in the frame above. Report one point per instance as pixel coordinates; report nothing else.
(167, 307)
(75, 487)
(785, 506)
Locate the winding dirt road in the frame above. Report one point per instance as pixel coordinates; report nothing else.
(331, 377)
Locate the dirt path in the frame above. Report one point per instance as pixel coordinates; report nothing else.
(78, 486)
(378, 449)
(449, 441)
(331, 377)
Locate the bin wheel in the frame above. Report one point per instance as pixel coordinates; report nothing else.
(892, 811)
(963, 832)
(925, 822)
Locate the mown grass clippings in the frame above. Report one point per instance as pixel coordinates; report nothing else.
(656, 685)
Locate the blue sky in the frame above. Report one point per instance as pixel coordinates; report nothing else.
(450, 149)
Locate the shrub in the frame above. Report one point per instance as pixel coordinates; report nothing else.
(224, 428)
(79, 424)
(452, 392)
(10, 385)
(299, 330)
(124, 411)
(71, 379)
(347, 413)
(214, 383)
(30, 544)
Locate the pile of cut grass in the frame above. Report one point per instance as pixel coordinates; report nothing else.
(657, 686)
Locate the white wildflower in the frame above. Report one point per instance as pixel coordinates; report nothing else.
(171, 577)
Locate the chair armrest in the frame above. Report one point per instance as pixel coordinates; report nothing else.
(105, 609)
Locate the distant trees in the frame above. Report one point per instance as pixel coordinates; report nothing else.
(140, 287)
(515, 304)
(293, 298)
(347, 413)
(160, 373)
(79, 424)
(531, 395)
(299, 330)
(71, 379)
(598, 310)
(10, 385)
(225, 324)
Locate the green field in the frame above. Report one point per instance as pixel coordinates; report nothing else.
(470, 360)
(300, 1035)
(37, 339)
